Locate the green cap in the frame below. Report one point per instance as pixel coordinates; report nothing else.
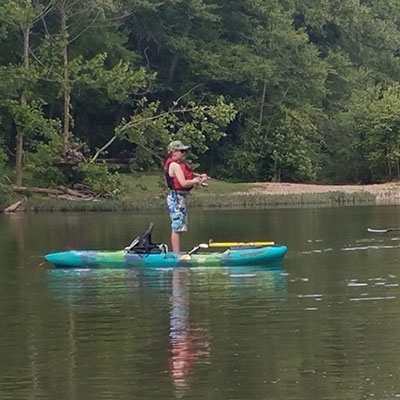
(176, 145)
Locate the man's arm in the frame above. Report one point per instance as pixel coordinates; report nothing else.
(176, 170)
(203, 176)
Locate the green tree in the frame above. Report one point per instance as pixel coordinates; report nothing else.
(22, 15)
(374, 122)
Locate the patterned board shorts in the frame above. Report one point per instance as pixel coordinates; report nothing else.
(177, 212)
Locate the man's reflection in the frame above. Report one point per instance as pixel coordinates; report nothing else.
(185, 347)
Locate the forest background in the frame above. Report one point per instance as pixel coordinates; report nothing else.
(278, 90)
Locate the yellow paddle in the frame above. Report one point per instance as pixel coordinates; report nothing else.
(188, 255)
(238, 244)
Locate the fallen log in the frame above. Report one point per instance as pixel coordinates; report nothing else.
(76, 193)
(13, 207)
(33, 189)
(71, 198)
(84, 189)
(61, 192)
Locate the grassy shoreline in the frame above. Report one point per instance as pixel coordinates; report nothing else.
(147, 192)
(213, 201)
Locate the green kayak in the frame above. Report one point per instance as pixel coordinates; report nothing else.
(143, 253)
(125, 259)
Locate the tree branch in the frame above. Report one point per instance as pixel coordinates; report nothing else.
(84, 30)
(108, 144)
(187, 93)
(132, 124)
(45, 11)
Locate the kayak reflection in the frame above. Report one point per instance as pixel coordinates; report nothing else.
(110, 310)
(190, 337)
(100, 287)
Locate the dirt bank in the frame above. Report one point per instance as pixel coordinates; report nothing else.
(383, 192)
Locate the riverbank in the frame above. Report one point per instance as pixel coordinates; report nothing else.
(382, 193)
(147, 192)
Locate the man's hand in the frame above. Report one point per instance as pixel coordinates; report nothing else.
(203, 177)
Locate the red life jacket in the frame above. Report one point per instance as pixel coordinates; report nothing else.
(172, 181)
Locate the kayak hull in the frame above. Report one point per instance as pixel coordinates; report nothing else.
(123, 259)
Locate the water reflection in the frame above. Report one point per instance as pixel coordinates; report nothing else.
(186, 347)
(326, 327)
(103, 304)
(100, 287)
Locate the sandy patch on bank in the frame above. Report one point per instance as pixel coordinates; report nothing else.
(382, 191)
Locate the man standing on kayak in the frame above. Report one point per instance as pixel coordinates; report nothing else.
(180, 180)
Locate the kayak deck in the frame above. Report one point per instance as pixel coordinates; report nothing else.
(124, 259)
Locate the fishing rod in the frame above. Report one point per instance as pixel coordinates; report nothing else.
(204, 184)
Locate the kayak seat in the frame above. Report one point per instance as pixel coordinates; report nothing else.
(144, 245)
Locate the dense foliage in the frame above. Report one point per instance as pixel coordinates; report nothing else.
(279, 90)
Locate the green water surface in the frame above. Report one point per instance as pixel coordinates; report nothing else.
(323, 325)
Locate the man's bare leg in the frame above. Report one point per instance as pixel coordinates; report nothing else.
(176, 242)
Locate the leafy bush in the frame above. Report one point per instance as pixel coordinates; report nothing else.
(5, 196)
(41, 163)
(5, 171)
(100, 179)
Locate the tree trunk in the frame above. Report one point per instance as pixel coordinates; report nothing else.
(20, 135)
(65, 83)
(18, 157)
(86, 127)
(172, 67)
(398, 168)
(264, 92)
(175, 58)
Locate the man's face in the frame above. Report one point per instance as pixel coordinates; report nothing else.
(179, 154)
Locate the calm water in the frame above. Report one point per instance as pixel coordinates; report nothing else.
(323, 325)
